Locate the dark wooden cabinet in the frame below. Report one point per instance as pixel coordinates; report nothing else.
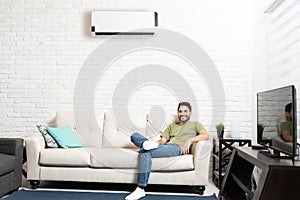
(278, 180)
(221, 154)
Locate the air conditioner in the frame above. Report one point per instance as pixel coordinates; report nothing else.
(123, 23)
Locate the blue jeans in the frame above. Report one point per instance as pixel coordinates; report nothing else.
(144, 158)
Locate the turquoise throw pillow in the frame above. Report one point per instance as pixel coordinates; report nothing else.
(64, 136)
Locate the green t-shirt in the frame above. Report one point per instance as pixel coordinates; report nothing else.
(287, 126)
(179, 134)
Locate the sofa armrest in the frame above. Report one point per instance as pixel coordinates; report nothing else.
(34, 145)
(201, 154)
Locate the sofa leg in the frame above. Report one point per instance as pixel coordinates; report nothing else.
(34, 184)
(199, 189)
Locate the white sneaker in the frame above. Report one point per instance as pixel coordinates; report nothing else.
(148, 145)
(137, 194)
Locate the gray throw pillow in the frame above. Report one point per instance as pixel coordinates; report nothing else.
(49, 140)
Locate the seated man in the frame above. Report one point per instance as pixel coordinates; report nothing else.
(175, 141)
(286, 127)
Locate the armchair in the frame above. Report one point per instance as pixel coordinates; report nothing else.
(11, 156)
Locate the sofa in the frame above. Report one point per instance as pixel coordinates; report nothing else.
(108, 156)
(279, 143)
(277, 140)
(11, 158)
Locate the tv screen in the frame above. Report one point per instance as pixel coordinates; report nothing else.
(276, 121)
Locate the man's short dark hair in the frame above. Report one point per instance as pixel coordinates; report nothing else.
(288, 107)
(187, 104)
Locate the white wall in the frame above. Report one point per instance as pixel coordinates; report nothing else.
(265, 75)
(45, 43)
(259, 55)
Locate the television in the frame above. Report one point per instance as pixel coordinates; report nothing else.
(277, 122)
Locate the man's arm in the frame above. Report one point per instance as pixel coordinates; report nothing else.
(285, 132)
(287, 136)
(203, 135)
(166, 134)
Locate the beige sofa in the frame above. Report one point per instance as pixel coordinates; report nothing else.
(110, 157)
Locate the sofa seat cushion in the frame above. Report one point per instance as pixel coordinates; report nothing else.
(7, 163)
(127, 158)
(177, 163)
(73, 157)
(119, 158)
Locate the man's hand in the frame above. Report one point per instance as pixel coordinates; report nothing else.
(185, 149)
(203, 135)
(162, 141)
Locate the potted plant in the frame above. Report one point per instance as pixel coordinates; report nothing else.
(260, 130)
(220, 130)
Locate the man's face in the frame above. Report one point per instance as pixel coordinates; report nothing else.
(289, 115)
(184, 114)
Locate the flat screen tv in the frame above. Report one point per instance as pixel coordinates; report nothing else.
(277, 122)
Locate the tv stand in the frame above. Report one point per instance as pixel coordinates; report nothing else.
(278, 178)
(275, 154)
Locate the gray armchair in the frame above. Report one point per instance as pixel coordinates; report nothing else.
(11, 157)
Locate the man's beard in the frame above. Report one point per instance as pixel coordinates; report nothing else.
(184, 118)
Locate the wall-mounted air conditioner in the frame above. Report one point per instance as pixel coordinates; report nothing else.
(123, 23)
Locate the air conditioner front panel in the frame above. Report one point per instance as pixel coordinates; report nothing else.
(109, 22)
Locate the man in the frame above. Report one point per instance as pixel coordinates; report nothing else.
(287, 126)
(176, 140)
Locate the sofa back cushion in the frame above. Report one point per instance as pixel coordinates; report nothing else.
(90, 128)
(107, 132)
(87, 127)
(117, 134)
(7, 164)
(65, 118)
(157, 124)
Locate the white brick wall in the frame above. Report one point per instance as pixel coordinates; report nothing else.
(45, 43)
